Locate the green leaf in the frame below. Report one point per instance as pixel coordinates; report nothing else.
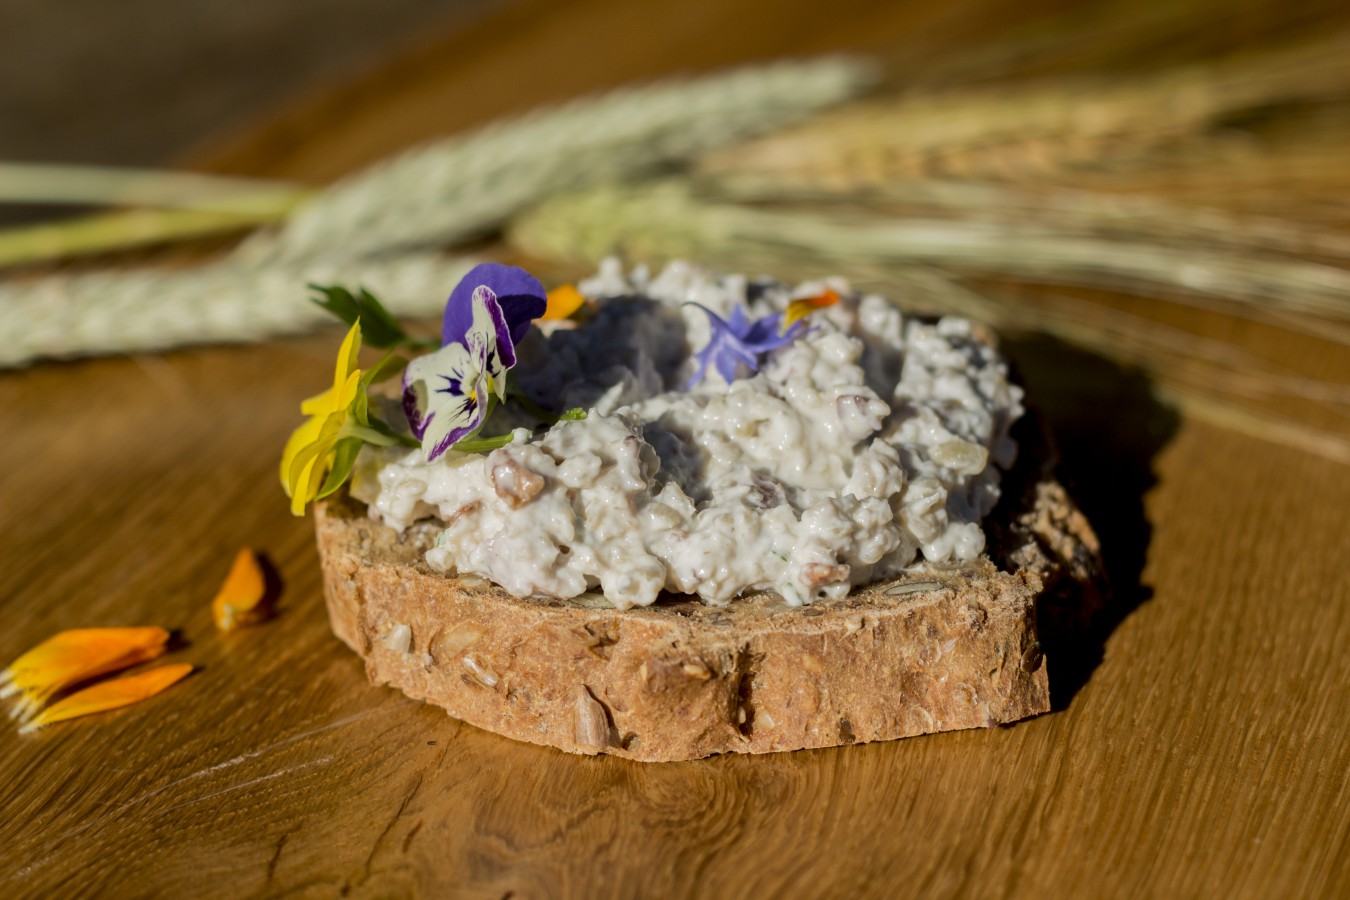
(482, 445)
(374, 311)
(573, 415)
(344, 460)
(378, 326)
(337, 300)
(360, 408)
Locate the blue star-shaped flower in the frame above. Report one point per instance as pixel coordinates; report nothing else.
(738, 343)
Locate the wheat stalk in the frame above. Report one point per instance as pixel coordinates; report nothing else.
(667, 219)
(1022, 130)
(1200, 375)
(466, 187)
(376, 227)
(1112, 333)
(1268, 427)
(1162, 351)
(105, 186)
(154, 309)
(163, 206)
(118, 231)
(1075, 211)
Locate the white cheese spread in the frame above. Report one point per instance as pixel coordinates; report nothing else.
(871, 440)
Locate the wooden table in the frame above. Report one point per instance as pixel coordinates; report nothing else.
(1201, 750)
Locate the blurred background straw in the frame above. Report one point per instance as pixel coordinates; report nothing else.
(1061, 177)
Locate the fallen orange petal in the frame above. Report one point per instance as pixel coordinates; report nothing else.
(74, 656)
(562, 302)
(109, 695)
(240, 599)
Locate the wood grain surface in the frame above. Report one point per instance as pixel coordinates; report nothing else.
(1199, 748)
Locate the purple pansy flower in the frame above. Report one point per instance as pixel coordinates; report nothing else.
(446, 393)
(740, 341)
(519, 295)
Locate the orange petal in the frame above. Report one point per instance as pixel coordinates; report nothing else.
(562, 302)
(239, 600)
(807, 305)
(74, 656)
(109, 695)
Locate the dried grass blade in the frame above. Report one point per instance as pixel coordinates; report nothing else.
(109, 695)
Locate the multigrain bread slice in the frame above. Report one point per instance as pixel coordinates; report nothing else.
(936, 650)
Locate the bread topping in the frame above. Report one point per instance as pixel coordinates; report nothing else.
(868, 442)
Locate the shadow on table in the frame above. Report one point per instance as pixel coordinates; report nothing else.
(1109, 428)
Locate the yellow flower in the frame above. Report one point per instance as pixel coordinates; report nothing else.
(310, 452)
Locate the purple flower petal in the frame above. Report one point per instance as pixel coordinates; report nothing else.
(501, 349)
(445, 395)
(737, 342)
(520, 295)
(410, 408)
(764, 334)
(472, 410)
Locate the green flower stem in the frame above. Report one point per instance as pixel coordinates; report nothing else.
(529, 405)
(377, 433)
(539, 412)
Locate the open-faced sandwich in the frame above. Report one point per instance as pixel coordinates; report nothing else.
(665, 517)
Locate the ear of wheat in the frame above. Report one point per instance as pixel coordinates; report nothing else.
(914, 261)
(378, 226)
(463, 188)
(667, 219)
(153, 309)
(1026, 130)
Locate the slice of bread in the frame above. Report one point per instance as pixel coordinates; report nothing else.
(936, 650)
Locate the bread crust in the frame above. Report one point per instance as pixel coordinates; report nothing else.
(936, 650)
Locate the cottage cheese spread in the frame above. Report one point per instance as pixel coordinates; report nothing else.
(871, 440)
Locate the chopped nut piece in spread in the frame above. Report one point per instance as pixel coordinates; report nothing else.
(513, 482)
(818, 574)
